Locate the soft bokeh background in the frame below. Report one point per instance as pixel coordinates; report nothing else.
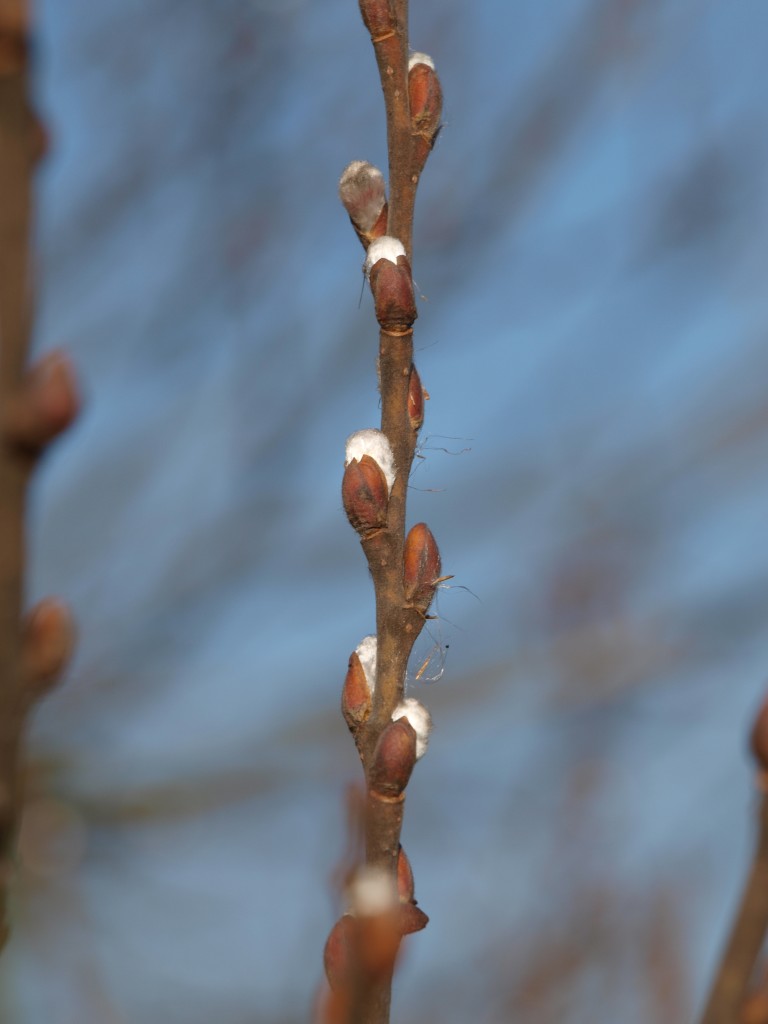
(591, 244)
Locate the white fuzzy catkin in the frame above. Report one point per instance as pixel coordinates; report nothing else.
(420, 58)
(366, 651)
(363, 193)
(384, 248)
(371, 892)
(419, 719)
(372, 442)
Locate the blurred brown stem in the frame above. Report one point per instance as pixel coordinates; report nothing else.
(729, 989)
(16, 166)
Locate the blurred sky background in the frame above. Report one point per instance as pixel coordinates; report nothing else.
(591, 244)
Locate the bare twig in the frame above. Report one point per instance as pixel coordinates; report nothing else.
(15, 203)
(35, 406)
(390, 733)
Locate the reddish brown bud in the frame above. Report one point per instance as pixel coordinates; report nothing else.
(365, 494)
(45, 404)
(759, 737)
(404, 878)
(425, 96)
(356, 695)
(421, 566)
(340, 953)
(393, 759)
(412, 919)
(47, 642)
(378, 17)
(392, 288)
(416, 397)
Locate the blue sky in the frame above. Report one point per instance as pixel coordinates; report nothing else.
(588, 240)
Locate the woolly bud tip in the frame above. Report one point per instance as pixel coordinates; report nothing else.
(366, 651)
(393, 759)
(371, 892)
(420, 720)
(420, 58)
(363, 194)
(421, 566)
(384, 248)
(375, 444)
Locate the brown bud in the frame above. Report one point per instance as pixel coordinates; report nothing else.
(47, 642)
(392, 288)
(404, 878)
(421, 566)
(378, 17)
(45, 405)
(759, 737)
(364, 196)
(416, 397)
(356, 695)
(365, 494)
(412, 919)
(426, 99)
(340, 953)
(393, 759)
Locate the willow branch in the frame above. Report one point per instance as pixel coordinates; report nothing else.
(390, 731)
(388, 24)
(36, 405)
(15, 217)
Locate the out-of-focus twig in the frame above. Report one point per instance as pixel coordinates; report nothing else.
(737, 966)
(35, 406)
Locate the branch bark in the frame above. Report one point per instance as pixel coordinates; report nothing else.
(16, 165)
(36, 405)
(405, 571)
